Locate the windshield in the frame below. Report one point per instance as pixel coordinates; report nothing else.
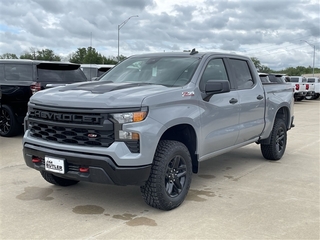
(168, 71)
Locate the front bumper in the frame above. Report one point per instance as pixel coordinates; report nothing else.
(102, 169)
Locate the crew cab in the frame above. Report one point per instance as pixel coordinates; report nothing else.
(20, 79)
(153, 119)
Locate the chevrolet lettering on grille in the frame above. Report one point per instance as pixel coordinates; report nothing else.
(65, 116)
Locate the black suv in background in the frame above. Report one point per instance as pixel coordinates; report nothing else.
(20, 79)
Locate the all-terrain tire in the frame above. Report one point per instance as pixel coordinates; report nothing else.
(170, 176)
(50, 178)
(9, 126)
(278, 142)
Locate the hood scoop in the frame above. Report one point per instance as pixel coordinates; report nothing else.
(100, 87)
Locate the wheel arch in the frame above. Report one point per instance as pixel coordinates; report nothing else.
(185, 134)
(284, 114)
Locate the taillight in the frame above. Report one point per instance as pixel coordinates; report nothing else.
(35, 87)
(307, 86)
(297, 86)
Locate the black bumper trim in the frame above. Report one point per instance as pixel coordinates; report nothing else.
(102, 169)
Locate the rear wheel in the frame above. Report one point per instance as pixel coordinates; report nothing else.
(316, 96)
(50, 178)
(9, 125)
(170, 176)
(278, 142)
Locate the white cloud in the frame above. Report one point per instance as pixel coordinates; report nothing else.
(269, 30)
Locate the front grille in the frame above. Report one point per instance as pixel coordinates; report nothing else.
(71, 134)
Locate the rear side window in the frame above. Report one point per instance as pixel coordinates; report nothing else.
(242, 73)
(18, 72)
(60, 73)
(311, 79)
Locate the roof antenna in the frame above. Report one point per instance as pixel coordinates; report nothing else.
(193, 52)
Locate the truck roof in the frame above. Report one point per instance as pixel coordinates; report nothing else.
(182, 54)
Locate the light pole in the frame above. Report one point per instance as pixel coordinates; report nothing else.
(119, 27)
(314, 54)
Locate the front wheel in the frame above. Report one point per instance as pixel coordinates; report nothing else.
(170, 176)
(277, 146)
(50, 178)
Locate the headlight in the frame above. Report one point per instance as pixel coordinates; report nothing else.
(129, 117)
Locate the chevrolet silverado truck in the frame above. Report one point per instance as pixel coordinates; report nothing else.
(152, 119)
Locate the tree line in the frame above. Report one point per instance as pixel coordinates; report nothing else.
(87, 55)
(90, 55)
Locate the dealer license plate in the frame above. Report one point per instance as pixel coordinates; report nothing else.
(54, 164)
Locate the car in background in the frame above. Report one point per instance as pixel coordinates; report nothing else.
(277, 78)
(264, 77)
(94, 71)
(301, 87)
(20, 79)
(315, 81)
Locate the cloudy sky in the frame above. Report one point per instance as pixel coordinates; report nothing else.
(270, 30)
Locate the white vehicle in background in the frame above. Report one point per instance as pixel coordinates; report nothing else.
(301, 87)
(315, 81)
(93, 71)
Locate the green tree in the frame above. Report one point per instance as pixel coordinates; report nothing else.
(8, 56)
(109, 60)
(47, 55)
(44, 54)
(256, 63)
(88, 56)
(259, 66)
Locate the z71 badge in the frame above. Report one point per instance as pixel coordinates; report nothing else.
(187, 94)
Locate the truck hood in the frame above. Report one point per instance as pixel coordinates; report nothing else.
(97, 95)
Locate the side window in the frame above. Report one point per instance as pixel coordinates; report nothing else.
(1, 72)
(242, 73)
(18, 72)
(215, 70)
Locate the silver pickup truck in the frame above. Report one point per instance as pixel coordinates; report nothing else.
(152, 119)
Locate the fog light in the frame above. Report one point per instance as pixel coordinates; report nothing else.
(128, 135)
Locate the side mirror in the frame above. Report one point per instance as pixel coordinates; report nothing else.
(217, 86)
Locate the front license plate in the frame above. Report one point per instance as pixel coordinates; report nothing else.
(54, 164)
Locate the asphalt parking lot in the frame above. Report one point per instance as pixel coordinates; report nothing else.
(238, 195)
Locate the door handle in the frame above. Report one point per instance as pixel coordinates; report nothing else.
(233, 101)
(260, 97)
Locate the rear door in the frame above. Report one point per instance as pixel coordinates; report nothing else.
(251, 99)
